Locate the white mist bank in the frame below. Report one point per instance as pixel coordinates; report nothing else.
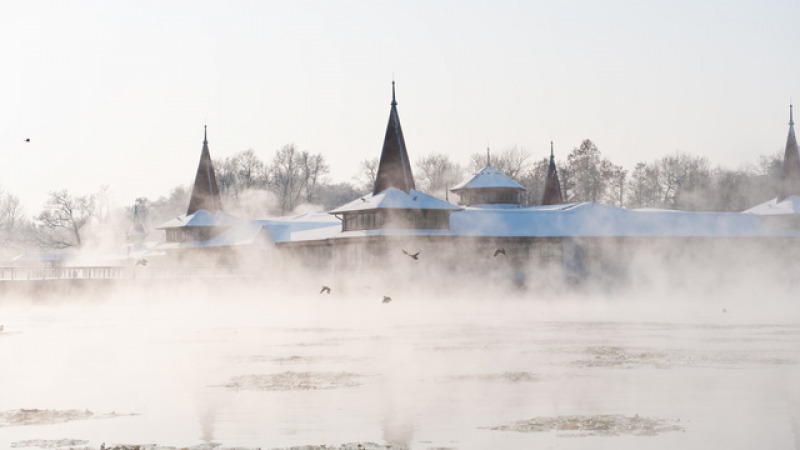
(258, 364)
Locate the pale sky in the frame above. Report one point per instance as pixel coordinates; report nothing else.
(117, 92)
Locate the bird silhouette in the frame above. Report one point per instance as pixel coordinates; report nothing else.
(325, 289)
(414, 256)
(27, 139)
(386, 299)
(500, 251)
(141, 262)
(363, 200)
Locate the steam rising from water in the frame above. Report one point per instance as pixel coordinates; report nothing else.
(271, 363)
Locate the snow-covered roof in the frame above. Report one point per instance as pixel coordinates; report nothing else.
(247, 232)
(336, 232)
(566, 220)
(282, 230)
(595, 220)
(200, 218)
(393, 198)
(789, 205)
(488, 177)
(242, 233)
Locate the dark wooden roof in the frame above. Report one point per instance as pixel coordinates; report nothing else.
(394, 169)
(790, 184)
(552, 187)
(205, 193)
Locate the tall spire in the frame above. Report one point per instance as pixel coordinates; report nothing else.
(552, 187)
(205, 193)
(488, 156)
(790, 183)
(394, 168)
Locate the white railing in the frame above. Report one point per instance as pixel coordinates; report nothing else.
(114, 272)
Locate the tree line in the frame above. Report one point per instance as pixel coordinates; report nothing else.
(679, 181)
(294, 179)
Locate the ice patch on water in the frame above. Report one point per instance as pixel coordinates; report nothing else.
(628, 357)
(294, 381)
(49, 416)
(75, 444)
(51, 443)
(598, 425)
(506, 377)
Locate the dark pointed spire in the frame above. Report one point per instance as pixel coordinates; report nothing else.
(394, 168)
(790, 183)
(488, 156)
(205, 193)
(552, 187)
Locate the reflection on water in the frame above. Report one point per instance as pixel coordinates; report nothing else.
(256, 369)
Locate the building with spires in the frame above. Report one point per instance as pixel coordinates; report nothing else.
(379, 230)
(394, 202)
(206, 234)
(204, 218)
(489, 234)
(205, 193)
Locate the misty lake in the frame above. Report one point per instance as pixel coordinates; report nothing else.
(236, 366)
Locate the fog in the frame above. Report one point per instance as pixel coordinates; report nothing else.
(465, 363)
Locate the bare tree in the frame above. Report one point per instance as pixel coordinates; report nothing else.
(227, 174)
(367, 173)
(534, 181)
(249, 169)
(590, 173)
(644, 187)
(436, 172)
(63, 219)
(15, 228)
(617, 186)
(333, 195)
(239, 173)
(312, 168)
(11, 216)
(285, 177)
(513, 161)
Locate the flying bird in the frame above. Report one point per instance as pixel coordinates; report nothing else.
(500, 251)
(325, 290)
(141, 262)
(27, 139)
(414, 256)
(386, 299)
